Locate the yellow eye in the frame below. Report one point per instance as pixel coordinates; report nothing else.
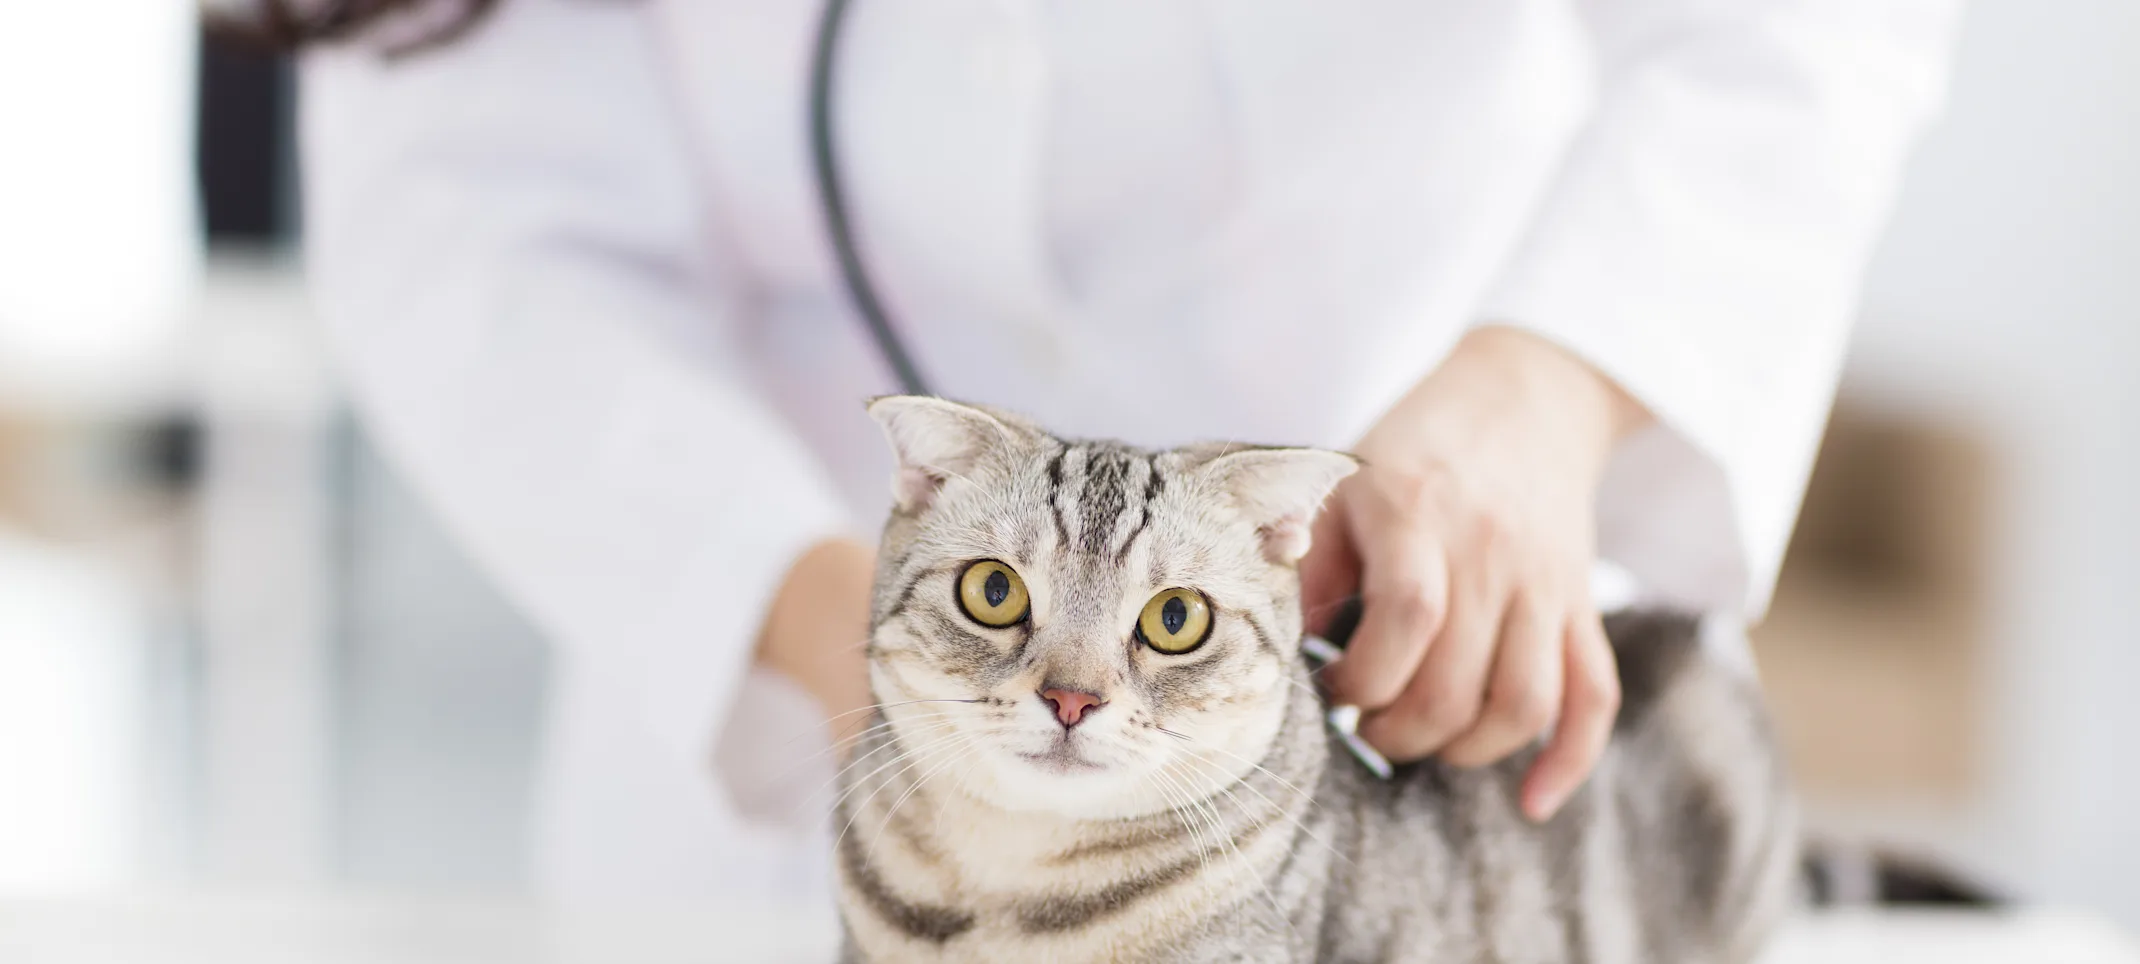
(1175, 621)
(992, 594)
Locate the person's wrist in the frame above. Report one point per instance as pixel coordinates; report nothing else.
(1584, 412)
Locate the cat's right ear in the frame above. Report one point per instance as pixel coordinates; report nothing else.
(935, 440)
(1280, 490)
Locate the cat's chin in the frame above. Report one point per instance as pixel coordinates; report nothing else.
(1064, 783)
(1063, 758)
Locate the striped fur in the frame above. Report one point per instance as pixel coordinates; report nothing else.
(1201, 814)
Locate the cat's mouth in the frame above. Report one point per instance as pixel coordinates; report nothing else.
(1061, 757)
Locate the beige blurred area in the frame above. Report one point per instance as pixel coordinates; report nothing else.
(1875, 647)
(236, 654)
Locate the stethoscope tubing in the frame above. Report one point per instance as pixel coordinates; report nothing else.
(832, 200)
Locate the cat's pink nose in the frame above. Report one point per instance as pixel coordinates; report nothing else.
(1070, 705)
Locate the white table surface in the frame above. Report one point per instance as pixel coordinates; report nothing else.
(280, 930)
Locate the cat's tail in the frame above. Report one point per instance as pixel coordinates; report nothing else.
(1836, 874)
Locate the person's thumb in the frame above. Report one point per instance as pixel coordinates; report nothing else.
(1330, 572)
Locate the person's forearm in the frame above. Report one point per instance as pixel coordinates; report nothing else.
(1528, 365)
(815, 630)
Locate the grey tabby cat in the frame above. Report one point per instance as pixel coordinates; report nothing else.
(1098, 741)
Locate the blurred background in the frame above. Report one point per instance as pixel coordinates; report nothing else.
(235, 654)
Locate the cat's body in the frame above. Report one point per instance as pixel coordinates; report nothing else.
(1215, 819)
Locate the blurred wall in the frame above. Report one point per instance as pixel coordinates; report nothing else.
(2008, 294)
(439, 694)
(95, 100)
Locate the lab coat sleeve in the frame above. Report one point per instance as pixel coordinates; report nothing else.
(507, 247)
(1702, 245)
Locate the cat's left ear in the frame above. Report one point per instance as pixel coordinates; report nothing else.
(935, 440)
(1281, 490)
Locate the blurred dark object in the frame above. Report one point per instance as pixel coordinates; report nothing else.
(243, 152)
(1345, 622)
(1837, 876)
(407, 26)
(167, 452)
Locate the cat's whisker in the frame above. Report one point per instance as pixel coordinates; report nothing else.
(899, 703)
(1233, 782)
(1288, 784)
(848, 741)
(883, 727)
(1241, 863)
(1200, 804)
(924, 756)
(1149, 780)
(893, 810)
(880, 707)
(845, 766)
(1178, 806)
(944, 805)
(1210, 841)
(859, 735)
(1298, 821)
(1203, 834)
(872, 708)
(897, 757)
(1303, 687)
(1321, 608)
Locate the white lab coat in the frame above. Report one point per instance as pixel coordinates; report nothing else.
(577, 275)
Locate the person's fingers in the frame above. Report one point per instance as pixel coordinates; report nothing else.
(1590, 705)
(1524, 693)
(1330, 572)
(1404, 592)
(1444, 696)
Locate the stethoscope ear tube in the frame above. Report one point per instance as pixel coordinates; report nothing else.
(832, 199)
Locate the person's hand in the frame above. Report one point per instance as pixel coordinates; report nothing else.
(814, 630)
(1468, 535)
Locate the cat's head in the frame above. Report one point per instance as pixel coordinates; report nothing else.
(1083, 627)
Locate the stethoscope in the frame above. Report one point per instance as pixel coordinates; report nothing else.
(832, 198)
